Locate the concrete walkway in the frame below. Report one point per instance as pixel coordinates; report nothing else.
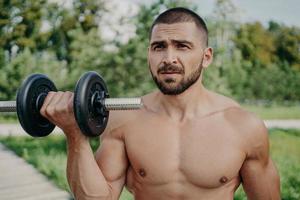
(17, 130)
(295, 123)
(21, 181)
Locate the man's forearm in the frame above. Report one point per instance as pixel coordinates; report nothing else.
(84, 175)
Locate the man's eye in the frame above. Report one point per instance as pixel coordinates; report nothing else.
(182, 46)
(158, 47)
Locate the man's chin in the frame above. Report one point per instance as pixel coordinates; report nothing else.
(169, 86)
(170, 90)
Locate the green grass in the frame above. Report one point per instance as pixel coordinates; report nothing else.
(275, 111)
(8, 118)
(48, 155)
(285, 152)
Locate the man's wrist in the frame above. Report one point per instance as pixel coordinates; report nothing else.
(75, 136)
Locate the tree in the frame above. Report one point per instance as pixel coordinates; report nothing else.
(256, 43)
(287, 42)
(84, 17)
(13, 73)
(20, 24)
(221, 27)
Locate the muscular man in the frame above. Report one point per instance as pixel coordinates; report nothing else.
(186, 143)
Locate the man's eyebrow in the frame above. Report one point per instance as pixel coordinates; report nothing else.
(173, 41)
(157, 42)
(183, 42)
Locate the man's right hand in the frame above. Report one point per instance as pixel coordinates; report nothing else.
(58, 109)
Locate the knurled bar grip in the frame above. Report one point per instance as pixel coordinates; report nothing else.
(109, 103)
(8, 106)
(122, 103)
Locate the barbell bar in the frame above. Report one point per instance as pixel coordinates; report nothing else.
(91, 104)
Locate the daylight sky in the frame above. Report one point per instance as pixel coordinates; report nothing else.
(282, 11)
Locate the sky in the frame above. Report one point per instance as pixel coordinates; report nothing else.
(282, 11)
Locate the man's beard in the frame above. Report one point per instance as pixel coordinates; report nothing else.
(183, 85)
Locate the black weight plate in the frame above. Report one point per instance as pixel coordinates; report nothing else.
(91, 122)
(34, 86)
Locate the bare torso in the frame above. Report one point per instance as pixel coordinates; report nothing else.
(199, 158)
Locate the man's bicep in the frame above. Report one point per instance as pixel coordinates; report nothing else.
(112, 160)
(259, 175)
(260, 181)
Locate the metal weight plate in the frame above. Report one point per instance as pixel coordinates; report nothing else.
(91, 116)
(30, 97)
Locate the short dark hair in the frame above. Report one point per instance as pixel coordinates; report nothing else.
(180, 14)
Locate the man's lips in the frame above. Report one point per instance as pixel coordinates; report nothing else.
(170, 73)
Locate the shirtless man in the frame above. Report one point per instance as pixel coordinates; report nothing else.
(186, 143)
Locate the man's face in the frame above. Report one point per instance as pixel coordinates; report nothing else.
(175, 56)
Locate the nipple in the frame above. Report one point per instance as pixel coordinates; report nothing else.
(223, 180)
(142, 172)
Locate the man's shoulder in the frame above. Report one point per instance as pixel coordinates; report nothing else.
(240, 119)
(243, 119)
(222, 102)
(248, 125)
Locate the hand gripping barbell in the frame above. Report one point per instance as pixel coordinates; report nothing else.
(91, 104)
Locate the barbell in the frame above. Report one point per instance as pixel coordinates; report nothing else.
(91, 104)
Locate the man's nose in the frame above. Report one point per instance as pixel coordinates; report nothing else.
(170, 57)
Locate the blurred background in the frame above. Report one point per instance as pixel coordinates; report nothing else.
(256, 62)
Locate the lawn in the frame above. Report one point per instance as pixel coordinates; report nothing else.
(275, 111)
(48, 155)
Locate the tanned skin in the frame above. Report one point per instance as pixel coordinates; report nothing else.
(194, 145)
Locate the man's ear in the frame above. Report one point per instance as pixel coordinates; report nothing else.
(207, 57)
(148, 51)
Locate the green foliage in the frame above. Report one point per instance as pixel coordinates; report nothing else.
(49, 156)
(251, 61)
(20, 23)
(274, 111)
(83, 17)
(26, 63)
(256, 43)
(287, 41)
(282, 85)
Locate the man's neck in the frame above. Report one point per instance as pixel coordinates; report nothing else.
(186, 105)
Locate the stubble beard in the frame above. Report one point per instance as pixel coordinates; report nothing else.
(167, 88)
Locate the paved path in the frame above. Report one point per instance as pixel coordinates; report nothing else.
(295, 123)
(21, 181)
(16, 130)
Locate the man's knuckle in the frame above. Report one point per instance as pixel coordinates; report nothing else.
(51, 93)
(69, 92)
(42, 111)
(50, 110)
(60, 109)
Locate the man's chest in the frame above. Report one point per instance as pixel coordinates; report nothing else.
(204, 154)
